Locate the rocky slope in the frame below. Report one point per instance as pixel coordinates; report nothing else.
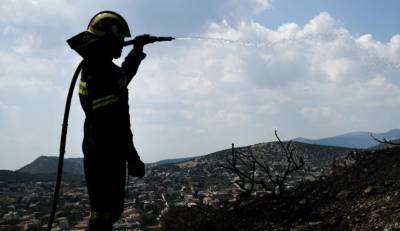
(364, 196)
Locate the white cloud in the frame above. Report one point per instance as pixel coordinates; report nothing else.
(35, 11)
(312, 74)
(230, 8)
(379, 92)
(337, 69)
(195, 96)
(323, 27)
(27, 44)
(5, 107)
(27, 73)
(320, 114)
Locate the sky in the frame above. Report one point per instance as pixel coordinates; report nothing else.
(306, 68)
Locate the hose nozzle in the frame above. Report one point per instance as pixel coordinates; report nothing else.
(148, 39)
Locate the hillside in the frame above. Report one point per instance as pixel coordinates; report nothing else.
(318, 155)
(364, 196)
(49, 164)
(169, 161)
(359, 140)
(200, 168)
(201, 181)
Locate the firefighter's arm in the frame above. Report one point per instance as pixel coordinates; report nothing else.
(131, 64)
(135, 57)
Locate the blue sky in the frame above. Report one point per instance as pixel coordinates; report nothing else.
(319, 68)
(359, 16)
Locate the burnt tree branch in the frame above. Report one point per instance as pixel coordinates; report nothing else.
(251, 171)
(383, 140)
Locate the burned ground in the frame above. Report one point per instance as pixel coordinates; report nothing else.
(363, 196)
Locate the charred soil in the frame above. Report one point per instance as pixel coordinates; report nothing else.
(362, 196)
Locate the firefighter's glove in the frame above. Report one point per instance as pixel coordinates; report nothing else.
(136, 168)
(142, 40)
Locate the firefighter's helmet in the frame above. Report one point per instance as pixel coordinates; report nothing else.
(109, 24)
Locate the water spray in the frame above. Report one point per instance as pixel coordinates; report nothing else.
(227, 41)
(384, 61)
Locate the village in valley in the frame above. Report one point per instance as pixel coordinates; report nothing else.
(201, 181)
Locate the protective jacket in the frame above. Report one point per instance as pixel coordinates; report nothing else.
(103, 94)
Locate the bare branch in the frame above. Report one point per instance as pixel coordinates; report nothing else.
(383, 140)
(252, 172)
(246, 181)
(292, 164)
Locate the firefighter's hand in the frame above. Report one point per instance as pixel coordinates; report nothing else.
(136, 168)
(142, 40)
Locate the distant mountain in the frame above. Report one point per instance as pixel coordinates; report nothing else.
(49, 164)
(360, 140)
